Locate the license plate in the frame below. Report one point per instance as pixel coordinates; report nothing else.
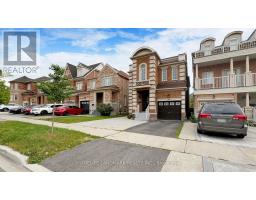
(221, 120)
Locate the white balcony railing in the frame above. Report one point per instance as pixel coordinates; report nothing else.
(253, 78)
(222, 82)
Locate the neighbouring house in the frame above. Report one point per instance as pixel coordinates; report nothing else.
(225, 73)
(158, 88)
(96, 84)
(78, 75)
(24, 91)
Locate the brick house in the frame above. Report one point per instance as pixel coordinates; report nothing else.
(24, 91)
(78, 75)
(109, 86)
(98, 83)
(158, 88)
(226, 72)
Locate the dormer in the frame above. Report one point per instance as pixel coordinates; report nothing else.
(207, 45)
(81, 70)
(232, 40)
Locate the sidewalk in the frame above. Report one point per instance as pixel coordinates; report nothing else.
(187, 153)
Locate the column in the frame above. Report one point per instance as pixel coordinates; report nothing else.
(232, 75)
(248, 74)
(152, 90)
(196, 78)
(134, 91)
(247, 102)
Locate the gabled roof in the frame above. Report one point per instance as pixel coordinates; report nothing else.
(72, 69)
(250, 37)
(23, 79)
(43, 78)
(91, 67)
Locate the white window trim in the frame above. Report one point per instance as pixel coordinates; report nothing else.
(235, 46)
(207, 50)
(92, 84)
(177, 73)
(164, 68)
(79, 85)
(208, 80)
(105, 83)
(140, 75)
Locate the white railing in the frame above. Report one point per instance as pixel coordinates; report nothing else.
(214, 83)
(222, 82)
(240, 80)
(253, 78)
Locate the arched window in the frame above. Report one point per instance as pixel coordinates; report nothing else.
(143, 72)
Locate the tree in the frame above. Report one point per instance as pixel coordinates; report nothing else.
(4, 93)
(58, 88)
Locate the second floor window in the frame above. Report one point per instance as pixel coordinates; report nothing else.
(92, 84)
(164, 74)
(233, 44)
(79, 85)
(143, 71)
(29, 87)
(107, 81)
(207, 78)
(174, 73)
(16, 86)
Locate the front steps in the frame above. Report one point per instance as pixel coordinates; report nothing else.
(141, 116)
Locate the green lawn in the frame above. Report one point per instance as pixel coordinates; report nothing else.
(76, 119)
(37, 141)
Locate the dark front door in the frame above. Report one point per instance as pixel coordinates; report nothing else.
(85, 105)
(169, 110)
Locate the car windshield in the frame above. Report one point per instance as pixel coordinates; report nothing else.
(222, 109)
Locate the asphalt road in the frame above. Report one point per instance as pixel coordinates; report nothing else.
(108, 156)
(164, 128)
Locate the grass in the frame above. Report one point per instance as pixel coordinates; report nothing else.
(37, 142)
(178, 130)
(76, 119)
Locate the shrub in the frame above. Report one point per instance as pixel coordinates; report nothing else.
(193, 118)
(131, 116)
(105, 109)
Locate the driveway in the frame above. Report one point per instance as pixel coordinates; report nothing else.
(107, 156)
(189, 132)
(119, 123)
(164, 128)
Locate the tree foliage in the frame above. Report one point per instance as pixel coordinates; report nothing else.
(4, 93)
(59, 87)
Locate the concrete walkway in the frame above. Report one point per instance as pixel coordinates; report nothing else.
(187, 152)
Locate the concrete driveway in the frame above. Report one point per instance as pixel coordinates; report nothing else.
(107, 156)
(164, 128)
(189, 132)
(119, 123)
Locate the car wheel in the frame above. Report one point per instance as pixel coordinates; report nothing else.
(44, 112)
(5, 109)
(65, 114)
(240, 136)
(199, 131)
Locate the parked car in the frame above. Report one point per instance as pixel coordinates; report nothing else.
(68, 110)
(16, 110)
(27, 110)
(6, 108)
(44, 109)
(226, 118)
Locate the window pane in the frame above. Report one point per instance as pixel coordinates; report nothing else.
(164, 74)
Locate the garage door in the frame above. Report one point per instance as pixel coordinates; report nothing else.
(169, 110)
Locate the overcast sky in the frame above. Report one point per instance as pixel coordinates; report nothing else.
(115, 46)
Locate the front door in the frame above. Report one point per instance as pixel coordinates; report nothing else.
(85, 105)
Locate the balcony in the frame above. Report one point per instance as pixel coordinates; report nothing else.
(225, 82)
(225, 49)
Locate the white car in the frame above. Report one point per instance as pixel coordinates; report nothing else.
(6, 108)
(44, 109)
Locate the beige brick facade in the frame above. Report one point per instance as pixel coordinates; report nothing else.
(145, 94)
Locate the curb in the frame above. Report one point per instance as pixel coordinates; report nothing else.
(19, 158)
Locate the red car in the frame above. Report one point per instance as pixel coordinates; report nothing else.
(68, 110)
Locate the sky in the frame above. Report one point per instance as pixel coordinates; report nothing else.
(116, 45)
